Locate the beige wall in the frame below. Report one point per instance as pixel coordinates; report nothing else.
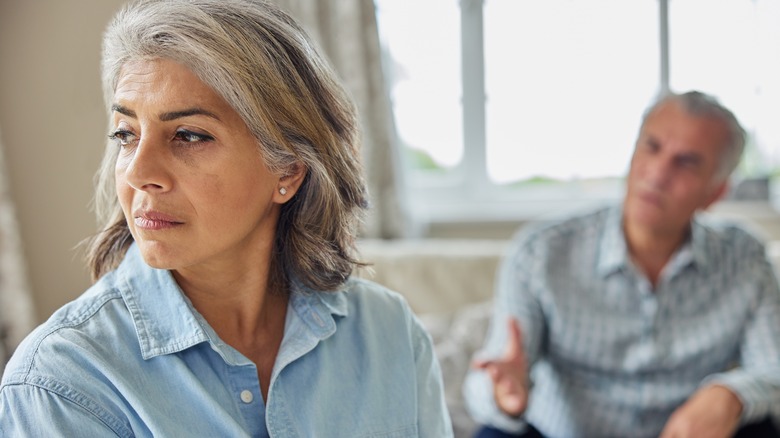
(53, 128)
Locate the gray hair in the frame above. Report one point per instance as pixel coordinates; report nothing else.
(701, 104)
(264, 65)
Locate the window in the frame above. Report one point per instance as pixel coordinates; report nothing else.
(734, 54)
(511, 109)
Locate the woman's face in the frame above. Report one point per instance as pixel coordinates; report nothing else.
(190, 178)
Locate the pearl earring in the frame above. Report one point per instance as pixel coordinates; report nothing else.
(282, 191)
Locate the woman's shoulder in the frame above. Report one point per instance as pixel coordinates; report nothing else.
(367, 295)
(84, 327)
(360, 304)
(369, 312)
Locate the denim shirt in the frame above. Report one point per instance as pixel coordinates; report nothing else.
(132, 357)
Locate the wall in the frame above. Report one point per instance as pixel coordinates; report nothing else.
(53, 125)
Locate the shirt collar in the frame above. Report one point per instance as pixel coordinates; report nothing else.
(317, 309)
(613, 253)
(698, 243)
(164, 319)
(166, 322)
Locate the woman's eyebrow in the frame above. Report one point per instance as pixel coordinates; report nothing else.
(123, 110)
(166, 117)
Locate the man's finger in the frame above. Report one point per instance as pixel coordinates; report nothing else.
(514, 347)
(481, 364)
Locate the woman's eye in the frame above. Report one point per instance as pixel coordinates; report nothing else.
(192, 137)
(121, 137)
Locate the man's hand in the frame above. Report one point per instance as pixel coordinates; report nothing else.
(509, 373)
(711, 412)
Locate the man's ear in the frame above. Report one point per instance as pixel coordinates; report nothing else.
(718, 194)
(290, 182)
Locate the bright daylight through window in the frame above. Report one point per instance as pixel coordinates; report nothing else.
(511, 108)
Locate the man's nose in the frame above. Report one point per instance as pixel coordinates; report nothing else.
(659, 172)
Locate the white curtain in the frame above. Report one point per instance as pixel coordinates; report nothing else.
(346, 31)
(17, 317)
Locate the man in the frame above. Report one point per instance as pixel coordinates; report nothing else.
(643, 319)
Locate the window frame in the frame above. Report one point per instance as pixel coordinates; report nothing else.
(465, 194)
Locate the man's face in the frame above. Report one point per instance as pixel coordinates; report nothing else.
(673, 170)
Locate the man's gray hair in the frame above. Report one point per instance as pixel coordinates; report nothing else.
(701, 104)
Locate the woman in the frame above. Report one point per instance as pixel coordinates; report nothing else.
(230, 192)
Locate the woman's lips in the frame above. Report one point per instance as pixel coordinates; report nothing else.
(153, 220)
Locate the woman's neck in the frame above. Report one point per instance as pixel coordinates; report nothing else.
(241, 303)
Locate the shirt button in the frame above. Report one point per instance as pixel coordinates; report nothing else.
(246, 396)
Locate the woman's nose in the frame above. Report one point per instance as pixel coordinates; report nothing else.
(147, 167)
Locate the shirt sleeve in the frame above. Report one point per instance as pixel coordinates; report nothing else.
(433, 416)
(756, 381)
(31, 411)
(514, 297)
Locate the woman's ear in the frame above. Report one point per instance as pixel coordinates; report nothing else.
(290, 182)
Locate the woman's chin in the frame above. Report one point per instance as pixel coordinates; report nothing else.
(158, 256)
